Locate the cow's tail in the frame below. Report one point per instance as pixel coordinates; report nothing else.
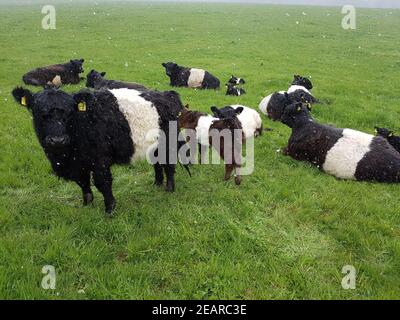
(186, 166)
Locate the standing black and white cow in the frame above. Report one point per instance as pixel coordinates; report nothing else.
(57, 74)
(343, 153)
(86, 133)
(190, 77)
(97, 81)
(249, 118)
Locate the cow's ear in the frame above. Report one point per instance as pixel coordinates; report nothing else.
(103, 74)
(82, 60)
(187, 106)
(164, 65)
(215, 111)
(239, 110)
(83, 101)
(23, 96)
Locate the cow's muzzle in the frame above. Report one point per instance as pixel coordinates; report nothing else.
(56, 142)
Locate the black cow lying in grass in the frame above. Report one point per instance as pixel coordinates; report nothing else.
(57, 74)
(97, 81)
(236, 81)
(343, 153)
(232, 90)
(86, 133)
(389, 136)
(190, 77)
(275, 105)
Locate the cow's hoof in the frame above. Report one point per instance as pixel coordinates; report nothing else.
(170, 188)
(238, 181)
(110, 207)
(158, 183)
(87, 199)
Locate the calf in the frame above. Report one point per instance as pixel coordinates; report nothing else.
(97, 81)
(249, 119)
(57, 75)
(389, 136)
(190, 77)
(207, 127)
(236, 81)
(232, 90)
(86, 133)
(343, 153)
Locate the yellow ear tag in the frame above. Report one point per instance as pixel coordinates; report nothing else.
(298, 108)
(309, 106)
(23, 101)
(376, 131)
(390, 135)
(82, 106)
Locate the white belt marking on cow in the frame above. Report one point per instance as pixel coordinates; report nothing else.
(343, 158)
(196, 78)
(203, 129)
(143, 120)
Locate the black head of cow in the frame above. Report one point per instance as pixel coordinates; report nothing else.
(77, 65)
(383, 132)
(226, 112)
(235, 80)
(295, 113)
(53, 111)
(94, 77)
(302, 81)
(170, 68)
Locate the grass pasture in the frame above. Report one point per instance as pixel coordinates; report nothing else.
(285, 233)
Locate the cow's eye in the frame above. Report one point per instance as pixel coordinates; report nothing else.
(45, 116)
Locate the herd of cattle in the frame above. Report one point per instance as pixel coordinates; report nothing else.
(115, 122)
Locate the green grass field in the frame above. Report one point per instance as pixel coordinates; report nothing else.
(285, 233)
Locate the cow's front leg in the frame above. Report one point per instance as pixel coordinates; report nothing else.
(170, 173)
(84, 183)
(159, 179)
(103, 182)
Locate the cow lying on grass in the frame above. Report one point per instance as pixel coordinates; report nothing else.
(97, 81)
(236, 81)
(343, 153)
(57, 75)
(299, 91)
(274, 105)
(389, 136)
(190, 77)
(232, 90)
(249, 119)
(86, 133)
(211, 131)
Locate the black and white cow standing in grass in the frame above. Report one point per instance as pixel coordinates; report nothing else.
(97, 81)
(343, 153)
(57, 74)
(84, 134)
(249, 118)
(190, 77)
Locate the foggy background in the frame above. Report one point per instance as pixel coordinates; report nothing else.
(359, 3)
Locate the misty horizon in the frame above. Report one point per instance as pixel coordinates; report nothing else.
(333, 3)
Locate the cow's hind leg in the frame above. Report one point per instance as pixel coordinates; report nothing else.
(170, 173)
(103, 182)
(84, 183)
